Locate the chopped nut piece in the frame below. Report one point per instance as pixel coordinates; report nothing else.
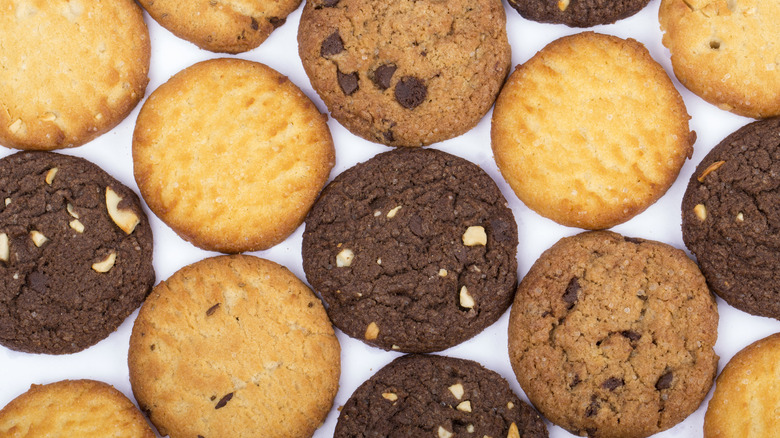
(390, 396)
(378, 261)
(344, 258)
(50, 175)
(48, 117)
(701, 212)
(740, 217)
(474, 236)
(711, 168)
(377, 213)
(563, 4)
(5, 250)
(38, 238)
(470, 428)
(464, 406)
(510, 405)
(372, 332)
(98, 116)
(16, 126)
(106, 264)
(124, 219)
(395, 347)
(7, 201)
(71, 211)
(77, 225)
(391, 214)
(513, 432)
(457, 390)
(442, 272)
(466, 300)
(444, 433)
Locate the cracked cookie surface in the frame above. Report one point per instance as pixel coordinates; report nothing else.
(730, 218)
(234, 346)
(413, 250)
(73, 265)
(612, 336)
(578, 13)
(406, 73)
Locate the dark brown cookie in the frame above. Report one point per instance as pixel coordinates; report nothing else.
(409, 72)
(413, 250)
(75, 253)
(578, 13)
(429, 396)
(731, 218)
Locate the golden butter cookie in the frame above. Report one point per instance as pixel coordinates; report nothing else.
(590, 131)
(234, 346)
(229, 26)
(231, 155)
(73, 408)
(727, 52)
(71, 70)
(747, 394)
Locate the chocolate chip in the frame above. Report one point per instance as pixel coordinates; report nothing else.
(311, 304)
(382, 75)
(633, 240)
(416, 225)
(593, 407)
(576, 381)
(613, 383)
(223, 401)
(201, 436)
(389, 137)
(276, 21)
(631, 335)
(332, 45)
(213, 397)
(410, 92)
(348, 82)
(665, 381)
(572, 292)
(255, 25)
(500, 230)
(212, 309)
(151, 347)
(327, 4)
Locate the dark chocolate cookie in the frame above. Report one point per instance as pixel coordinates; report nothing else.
(75, 253)
(731, 218)
(578, 13)
(429, 396)
(413, 250)
(408, 72)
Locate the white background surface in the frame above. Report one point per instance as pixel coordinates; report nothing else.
(106, 361)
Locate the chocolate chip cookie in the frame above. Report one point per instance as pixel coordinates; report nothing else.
(75, 253)
(429, 396)
(413, 250)
(611, 336)
(405, 73)
(578, 13)
(731, 219)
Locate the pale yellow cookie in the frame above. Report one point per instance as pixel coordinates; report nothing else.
(590, 131)
(69, 70)
(726, 51)
(746, 401)
(231, 155)
(73, 408)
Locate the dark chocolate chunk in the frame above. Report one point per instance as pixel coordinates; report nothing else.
(631, 335)
(633, 240)
(223, 401)
(383, 74)
(410, 92)
(348, 82)
(212, 309)
(665, 381)
(332, 45)
(575, 381)
(255, 25)
(593, 407)
(276, 21)
(572, 293)
(388, 136)
(613, 383)
(327, 4)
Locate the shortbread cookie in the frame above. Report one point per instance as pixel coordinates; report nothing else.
(590, 131)
(73, 408)
(578, 13)
(413, 250)
(75, 253)
(409, 72)
(611, 336)
(70, 70)
(234, 346)
(218, 25)
(730, 218)
(231, 155)
(437, 396)
(726, 52)
(747, 394)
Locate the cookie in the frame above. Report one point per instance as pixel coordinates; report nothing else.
(745, 401)
(413, 250)
(405, 73)
(729, 218)
(218, 25)
(230, 346)
(428, 396)
(218, 134)
(590, 131)
(726, 52)
(71, 70)
(82, 408)
(611, 336)
(75, 253)
(578, 13)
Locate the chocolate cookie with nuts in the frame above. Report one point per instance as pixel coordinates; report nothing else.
(578, 13)
(730, 218)
(413, 250)
(428, 396)
(75, 253)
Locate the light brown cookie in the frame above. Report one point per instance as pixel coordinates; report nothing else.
(229, 26)
(232, 346)
(590, 131)
(747, 394)
(73, 408)
(231, 155)
(612, 336)
(71, 70)
(726, 52)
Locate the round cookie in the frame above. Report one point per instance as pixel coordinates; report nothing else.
(230, 346)
(75, 253)
(424, 395)
(578, 13)
(405, 73)
(221, 26)
(217, 135)
(413, 250)
(745, 401)
(730, 218)
(82, 408)
(611, 336)
(71, 70)
(590, 131)
(726, 52)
